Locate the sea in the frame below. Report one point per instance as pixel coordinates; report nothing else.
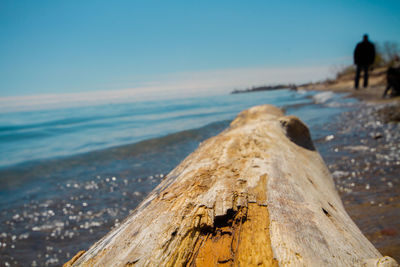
(70, 174)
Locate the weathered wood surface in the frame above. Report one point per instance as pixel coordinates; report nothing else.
(256, 194)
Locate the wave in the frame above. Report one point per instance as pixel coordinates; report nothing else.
(323, 97)
(144, 153)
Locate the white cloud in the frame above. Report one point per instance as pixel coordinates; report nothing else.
(172, 86)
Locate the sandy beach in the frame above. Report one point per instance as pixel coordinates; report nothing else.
(345, 84)
(363, 155)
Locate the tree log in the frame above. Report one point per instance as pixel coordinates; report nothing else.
(256, 194)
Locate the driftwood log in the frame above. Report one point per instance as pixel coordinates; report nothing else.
(256, 194)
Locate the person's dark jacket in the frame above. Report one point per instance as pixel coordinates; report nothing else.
(364, 54)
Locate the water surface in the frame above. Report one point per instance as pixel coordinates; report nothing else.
(67, 176)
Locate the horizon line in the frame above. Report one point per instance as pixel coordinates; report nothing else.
(182, 84)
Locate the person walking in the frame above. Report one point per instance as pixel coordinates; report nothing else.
(364, 56)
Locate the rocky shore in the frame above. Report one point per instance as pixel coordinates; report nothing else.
(363, 154)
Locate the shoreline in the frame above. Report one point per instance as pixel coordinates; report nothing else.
(345, 84)
(81, 226)
(363, 156)
(219, 196)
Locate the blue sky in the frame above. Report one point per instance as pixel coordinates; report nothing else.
(64, 47)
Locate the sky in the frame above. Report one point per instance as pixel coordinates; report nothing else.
(102, 48)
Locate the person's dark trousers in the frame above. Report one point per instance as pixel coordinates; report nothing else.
(360, 68)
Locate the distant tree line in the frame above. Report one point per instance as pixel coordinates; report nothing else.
(264, 88)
